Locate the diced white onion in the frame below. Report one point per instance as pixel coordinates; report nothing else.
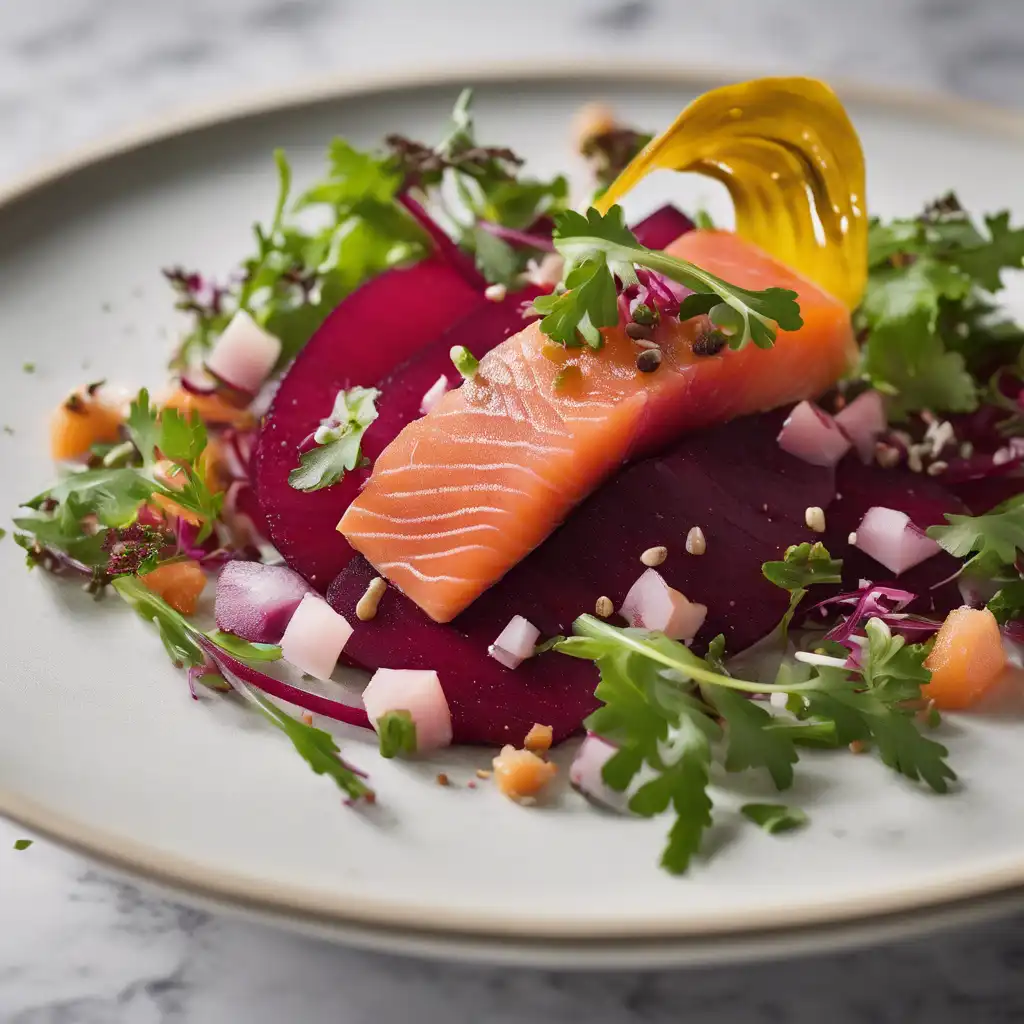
(890, 538)
(315, 637)
(652, 604)
(863, 421)
(434, 394)
(417, 691)
(244, 354)
(585, 774)
(515, 643)
(812, 435)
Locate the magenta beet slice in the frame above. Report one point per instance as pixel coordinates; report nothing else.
(375, 329)
(718, 480)
(924, 500)
(662, 227)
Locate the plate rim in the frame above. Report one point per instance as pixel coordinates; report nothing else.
(394, 926)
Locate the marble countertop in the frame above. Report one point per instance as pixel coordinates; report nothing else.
(78, 947)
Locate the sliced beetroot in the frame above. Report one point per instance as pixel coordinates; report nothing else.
(662, 227)
(256, 601)
(719, 480)
(923, 499)
(374, 330)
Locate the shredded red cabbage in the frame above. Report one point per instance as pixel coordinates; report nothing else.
(873, 601)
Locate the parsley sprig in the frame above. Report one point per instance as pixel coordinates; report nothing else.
(931, 326)
(669, 713)
(337, 441)
(600, 249)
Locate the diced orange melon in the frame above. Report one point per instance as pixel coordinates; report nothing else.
(178, 583)
(80, 422)
(967, 659)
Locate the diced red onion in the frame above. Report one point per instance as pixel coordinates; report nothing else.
(244, 355)
(434, 394)
(652, 604)
(417, 691)
(863, 422)
(890, 538)
(585, 774)
(315, 637)
(198, 382)
(515, 643)
(256, 601)
(813, 435)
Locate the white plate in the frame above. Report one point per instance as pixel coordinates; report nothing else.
(102, 749)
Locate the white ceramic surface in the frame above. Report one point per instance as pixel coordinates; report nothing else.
(101, 747)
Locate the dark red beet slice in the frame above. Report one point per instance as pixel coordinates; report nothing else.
(662, 227)
(379, 326)
(923, 499)
(718, 480)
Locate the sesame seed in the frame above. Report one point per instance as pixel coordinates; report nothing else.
(814, 517)
(695, 541)
(966, 450)
(654, 556)
(483, 773)
(495, 292)
(852, 539)
(914, 463)
(603, 607)
(937, 467)
(366, 608)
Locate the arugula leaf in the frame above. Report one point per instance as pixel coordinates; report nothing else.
(315, 746)
(397, 734)
(995, 537)
(244, 650)
(598, 249)
(774, 817)
(338, 441)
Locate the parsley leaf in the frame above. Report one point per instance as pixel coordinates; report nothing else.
(661, 705)
(774, 817)
(802, 566)
(995, 537)
(397, 733)
(338, 441)
(929, 324)
(1007, 603)
(598, 249)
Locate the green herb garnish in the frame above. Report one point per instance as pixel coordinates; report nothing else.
(338, 441)
(464, 361)
(802, 566)
(598, 249)
(774, 817)
(662, 707)
(397, 734)
(22, 844)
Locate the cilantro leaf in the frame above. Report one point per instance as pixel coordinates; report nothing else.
(495, 258)
(996, 536)
(181, 439)
(397, 734)
(338, 441)
(597, 249)
(1003, 250)
(774, 817)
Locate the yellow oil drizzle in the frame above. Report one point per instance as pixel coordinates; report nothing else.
(792, 162)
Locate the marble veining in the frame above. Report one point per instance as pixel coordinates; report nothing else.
(78, 947)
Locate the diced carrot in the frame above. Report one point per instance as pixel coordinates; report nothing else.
(169, 507)
(81, 421)
(178, 583)
(212, 409)
(539, 738)
(521, 774)
(967, 659)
